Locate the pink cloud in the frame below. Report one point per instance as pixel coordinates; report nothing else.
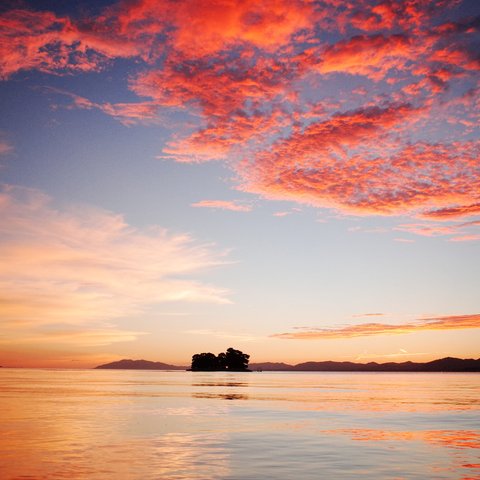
(426, 229)
(314, 167)
(349, 162)
(5, 147)
(465, 238)
(451, 322)
(223, 205)
(435, 230)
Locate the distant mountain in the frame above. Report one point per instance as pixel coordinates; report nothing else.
(271, 366)
(447, 364)
(128, 364)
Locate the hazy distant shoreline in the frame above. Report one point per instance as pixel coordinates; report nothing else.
(448, 364)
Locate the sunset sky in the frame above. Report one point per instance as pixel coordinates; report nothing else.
(296, 179)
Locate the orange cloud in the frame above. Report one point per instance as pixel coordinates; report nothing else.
(455, 212)
(223, 205)
(452, 322)
(251, 76)
(213, 25)
(204, 27)
(42, 40)
(371, 56)
(66, 275)
(49, 43)
(315, 167)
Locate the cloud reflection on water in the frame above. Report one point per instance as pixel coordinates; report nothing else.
(178, 426)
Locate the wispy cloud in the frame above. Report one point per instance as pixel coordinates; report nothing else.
(465, 238)
(231, 205)
(126, 113)
(69, 273)
(451, 322)
(72, 337)
(464, 231)
(5, 147)
(285, 213)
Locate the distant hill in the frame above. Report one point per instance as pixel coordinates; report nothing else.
(271, 366)
(447, 364)
(128, 364)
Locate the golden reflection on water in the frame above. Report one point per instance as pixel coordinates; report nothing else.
(57, 438)
(447, 438)
(183, 425)
(171, 456)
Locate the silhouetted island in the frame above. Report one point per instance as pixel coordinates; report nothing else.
(448, 364)
(230, 361)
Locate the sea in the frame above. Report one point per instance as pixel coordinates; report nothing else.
(176, 425)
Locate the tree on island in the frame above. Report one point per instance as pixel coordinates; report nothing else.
(205, 362)
(232, 360)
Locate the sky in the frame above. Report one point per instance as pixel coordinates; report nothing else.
(299, 180)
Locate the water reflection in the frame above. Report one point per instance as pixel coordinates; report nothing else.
(178, 425)
(451, 442)
(223, 396)
(172, 456)
(220, 384)
(457, 439)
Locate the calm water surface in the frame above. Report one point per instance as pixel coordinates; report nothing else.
(105, 424)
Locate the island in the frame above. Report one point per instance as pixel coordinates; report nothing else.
(230, 361)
